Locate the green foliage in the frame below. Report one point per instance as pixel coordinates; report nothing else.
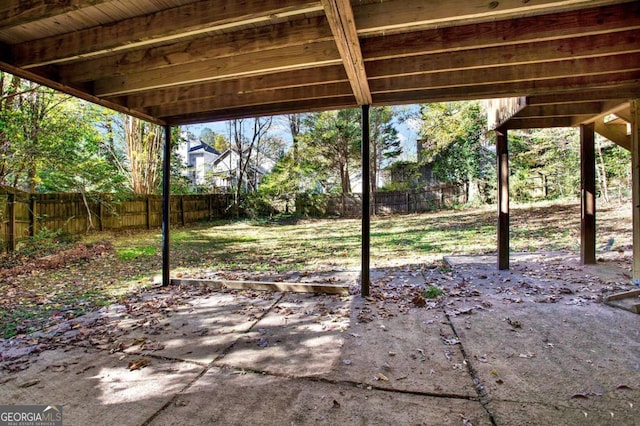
(45, 242)
(452, 141)
(405, 176)
(136, 252)
(432, 292)
(544, 163)
(333, 142)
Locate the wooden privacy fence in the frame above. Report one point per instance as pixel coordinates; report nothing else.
(23, 214)
(396, 202)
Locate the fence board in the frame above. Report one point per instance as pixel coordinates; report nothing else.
(71, 212)
(399, 202)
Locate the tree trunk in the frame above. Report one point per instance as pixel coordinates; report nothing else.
(602, 173)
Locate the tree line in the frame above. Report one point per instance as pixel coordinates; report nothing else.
(51, 142)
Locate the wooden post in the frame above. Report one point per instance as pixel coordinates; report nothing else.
(33, 216)
(366, 210)
(502, 156)
(148, 211)
(166, 189)
(210, 206)
(587, 194)
(11, 225)
(100, 214)
(182, 210)
(635, 186)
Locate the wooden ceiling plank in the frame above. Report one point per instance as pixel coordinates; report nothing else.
(252, 99)
(566, 86)
(264, 110)
(169, 24)
(342, 23)
(82, 94)
(538, 123)
(387, 17)
(617, 93)
(19, 12)
(283, 80)
(256, 63)
(570, 24)
(562, 110)
(546, 51)
(607, 108)
(522, 73)
(218, 46)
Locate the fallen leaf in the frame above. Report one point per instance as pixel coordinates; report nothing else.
(382, 377)
(139, 363)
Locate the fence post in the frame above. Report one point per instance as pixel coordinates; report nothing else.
(182, 210)
(11, 225)
(100, 213)
(210, 205)
(148, 211)
(33, 216)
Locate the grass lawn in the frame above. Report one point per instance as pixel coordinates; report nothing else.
(31, 300)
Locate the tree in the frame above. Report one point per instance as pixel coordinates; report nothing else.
(384, 142)
(216, 140)
(546, 159)
(144, 144)
(247, 137)
(452, 141)
(334, 139)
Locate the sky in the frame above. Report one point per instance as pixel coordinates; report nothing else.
(407, 130)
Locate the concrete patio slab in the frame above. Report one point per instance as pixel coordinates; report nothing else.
(533, 345)
(201, 330)
(302, 336)
(554, 357)
(96, 387)
(231, 397)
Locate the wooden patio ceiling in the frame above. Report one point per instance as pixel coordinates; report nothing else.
(186, 61)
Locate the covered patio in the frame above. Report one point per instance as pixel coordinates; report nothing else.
(186, 61)
(506, 348)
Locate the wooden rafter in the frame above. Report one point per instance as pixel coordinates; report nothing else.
(171, 24)
(375, 17)
(19, 12)
(342, 23)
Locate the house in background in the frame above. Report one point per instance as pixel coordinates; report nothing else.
(212, 171)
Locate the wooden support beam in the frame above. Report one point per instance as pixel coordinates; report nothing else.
(221, 47)
(587, 194)
(560, 110)
(20, 12)
(365, 269)
(238, 100)
(263, 62)
(170, 24)
(635, 186)
(502, 156)
(561, 86)
(376, 17)
(166, 207)
(618, 93)
(590, 46)
(570, 68)
(241, 86)
(616, 133)
(45, 81)
(342, 23)
(506, 32)
(538, 123)
(267, 286)
(264, 110)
